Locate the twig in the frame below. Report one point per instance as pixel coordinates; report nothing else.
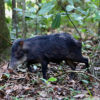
(73, 25)
(63, 8)
(69, 71)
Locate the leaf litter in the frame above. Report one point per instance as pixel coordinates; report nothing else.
(29, 86)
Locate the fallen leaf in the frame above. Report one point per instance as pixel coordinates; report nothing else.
(79, 96)
(4, 67)
(4, 76)
(2, 93)
(8, 91)
(43, 93)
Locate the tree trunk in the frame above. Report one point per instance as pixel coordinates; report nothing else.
(23, 19)
(4, 32)
(14, 19)
(36, 20)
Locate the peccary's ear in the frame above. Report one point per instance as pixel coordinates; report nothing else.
(21, 43)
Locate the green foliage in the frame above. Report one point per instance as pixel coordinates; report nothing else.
(74, 92)
(9, 3)
(52, 79)
(72, 2)
(85, 81)
(47, 14)
(2, 87)
(16, 98)
(85, 84)
(46, 7)
(56, 21)
(6, 74)
(70, 7)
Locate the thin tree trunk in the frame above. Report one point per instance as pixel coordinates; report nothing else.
(4, 32)
(36, 20)
(23, 20)
(14, 18)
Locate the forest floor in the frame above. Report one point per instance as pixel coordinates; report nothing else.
(31, 86)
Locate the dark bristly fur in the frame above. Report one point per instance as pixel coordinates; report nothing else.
(48, 48)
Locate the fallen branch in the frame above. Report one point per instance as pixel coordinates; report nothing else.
(83, 72)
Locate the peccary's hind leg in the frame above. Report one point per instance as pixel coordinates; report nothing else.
(84, 60)
(73, 67)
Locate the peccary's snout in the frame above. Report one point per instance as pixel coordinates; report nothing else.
(11, 66)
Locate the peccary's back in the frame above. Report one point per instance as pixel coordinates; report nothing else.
(55, 47)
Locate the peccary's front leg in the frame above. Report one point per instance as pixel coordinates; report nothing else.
(44, 68)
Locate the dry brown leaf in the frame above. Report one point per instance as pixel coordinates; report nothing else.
(4, 67)
(2, 93)
(4, 77)
(18, 87)
(27, 88)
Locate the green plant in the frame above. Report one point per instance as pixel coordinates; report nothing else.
(52, 79)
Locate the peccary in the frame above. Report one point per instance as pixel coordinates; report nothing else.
(47, 48)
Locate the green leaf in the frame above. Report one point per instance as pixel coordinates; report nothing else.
(87, 0)
(77, 1)
(97, 15)
(93, 6)
(6, 74)
(56, 21)
(88, 46)
(52, 79)
(44, 80)
(78, 18)
(15, 98)
(48, 16)
(18, 9)
(2, 87)
(83, 44)
(46, 8)
(76, 36)
(71, 89)
(71, 2)
(9, 2)
(32, 10)
(85, 81)
(70, 7)
(81, 10)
